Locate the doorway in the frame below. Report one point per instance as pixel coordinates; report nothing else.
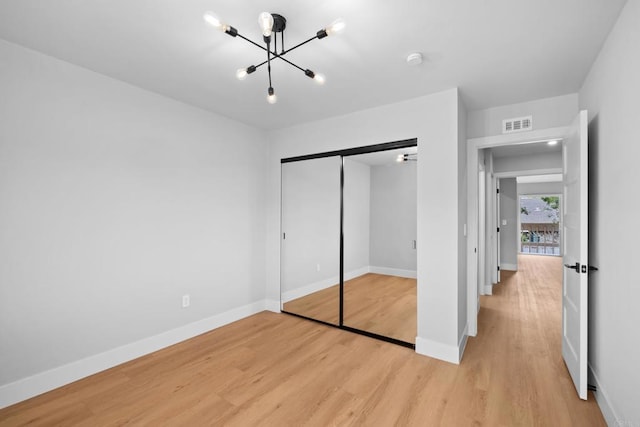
(574, 169)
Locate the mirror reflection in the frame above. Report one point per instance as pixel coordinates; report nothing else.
(310, 253)
(380, 228)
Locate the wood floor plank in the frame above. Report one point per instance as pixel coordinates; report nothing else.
(378, 303)
(278, 370)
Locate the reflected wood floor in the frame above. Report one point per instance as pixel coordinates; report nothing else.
(277, 370)
(378, 303)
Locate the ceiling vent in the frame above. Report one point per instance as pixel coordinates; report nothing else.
(518, 124)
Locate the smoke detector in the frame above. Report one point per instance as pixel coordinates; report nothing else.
(414, 58)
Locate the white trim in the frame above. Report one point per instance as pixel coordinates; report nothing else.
(272, 305)
(462, 343)
(332, 281)
(508, 267)
(438, 350)
(528, 172)
(57, 377)
(322, 284)
(488, 290)
(473, 145)
(539, 135)
(602, 398)
(309, 289)
(357, 273)
(409, 274)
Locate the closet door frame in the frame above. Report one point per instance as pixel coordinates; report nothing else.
(346, 153)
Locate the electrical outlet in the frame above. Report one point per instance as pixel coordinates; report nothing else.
(186, 301)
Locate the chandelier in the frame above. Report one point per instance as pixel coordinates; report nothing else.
(271, 23)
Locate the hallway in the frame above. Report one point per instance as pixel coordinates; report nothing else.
(519, 349)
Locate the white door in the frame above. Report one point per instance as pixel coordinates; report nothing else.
(497, 224)
(575, 272)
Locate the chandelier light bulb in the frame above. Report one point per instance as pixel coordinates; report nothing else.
(319, 78)
(336, 27)
(211, 19)
(271, 97)
(241, 74)
(265, 20)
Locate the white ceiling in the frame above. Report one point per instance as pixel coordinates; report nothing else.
(497, 52)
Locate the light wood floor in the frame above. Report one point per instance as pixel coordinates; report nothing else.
(278, 370)
(384, 305)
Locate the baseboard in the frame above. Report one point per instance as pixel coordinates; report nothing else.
(48, 380)
(409, 274)
(508, 267)
(272, 305)
(322, 284)
(438, 350)
(604, 403)
(488, 290)
(462, 342)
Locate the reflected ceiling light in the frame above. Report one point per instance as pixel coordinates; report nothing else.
(273, 23)
(553, 142)
(411, 157)
(414, 58)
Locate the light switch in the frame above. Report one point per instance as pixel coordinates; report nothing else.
(504, 222)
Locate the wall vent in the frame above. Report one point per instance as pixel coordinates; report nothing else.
(518, 124)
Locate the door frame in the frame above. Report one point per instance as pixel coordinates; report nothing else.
(473, 146)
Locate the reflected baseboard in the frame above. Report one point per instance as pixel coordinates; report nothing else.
(332, 281)
(322, 284)
(409, 274)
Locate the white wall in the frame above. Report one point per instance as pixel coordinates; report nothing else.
(509, 212)
(462, 223)
(535, 162)
(547, 113)
(394, 216)
(611, 94)
(116, 202)
(433, 120)
(540, 188)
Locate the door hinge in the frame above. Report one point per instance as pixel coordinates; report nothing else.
(497, 191)
(498, 268)
(498, 229)
(284, 236)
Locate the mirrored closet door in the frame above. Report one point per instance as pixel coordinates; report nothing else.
(310, 250)
(380, 221)
(349, 247)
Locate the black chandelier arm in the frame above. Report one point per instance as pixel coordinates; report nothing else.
(299, 44)
(279, 57)
(288, 62)
(276, 54)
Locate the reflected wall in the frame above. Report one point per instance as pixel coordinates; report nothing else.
(311, 238)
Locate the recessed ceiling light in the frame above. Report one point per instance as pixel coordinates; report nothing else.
(553, 142)
(414, 58)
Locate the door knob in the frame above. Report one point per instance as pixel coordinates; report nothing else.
(574, 267)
